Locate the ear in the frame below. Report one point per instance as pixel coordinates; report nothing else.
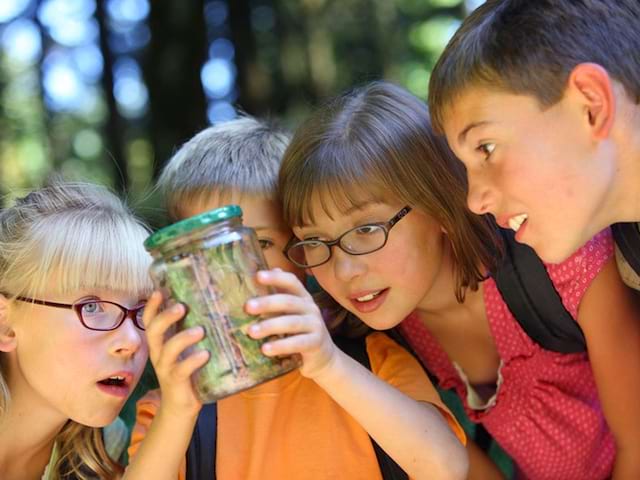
(8, 339)
(593, 85)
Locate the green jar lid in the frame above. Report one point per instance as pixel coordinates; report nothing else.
(190, 224)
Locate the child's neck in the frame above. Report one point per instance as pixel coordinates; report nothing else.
(625, 204)
(634, 178)
(450, 313)
(22, 457)
(27, 437)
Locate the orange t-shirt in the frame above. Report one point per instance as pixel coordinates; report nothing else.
(291, 428)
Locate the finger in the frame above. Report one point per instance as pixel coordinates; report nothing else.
(176, 345)
(157, 332)
(149, 313)
(280, 303)
(303, 343)
(281, 280)
(151, 308)
(285, 325)
(186, 367)
(160, 323)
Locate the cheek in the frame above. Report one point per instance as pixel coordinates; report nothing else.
(56, 364)
(42, 344)
(408, 270)
(414, 262)
(539, 160)
(325, 277)
(143, 353)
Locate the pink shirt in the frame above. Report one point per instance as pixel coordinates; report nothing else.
(546, 413)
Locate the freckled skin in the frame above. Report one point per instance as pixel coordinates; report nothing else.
(542, 163)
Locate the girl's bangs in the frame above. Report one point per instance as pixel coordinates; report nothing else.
(82, 254)
(336, 184)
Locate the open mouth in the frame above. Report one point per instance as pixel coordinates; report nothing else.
(516, 222)
(371, 301)
(115, 381)
(369, 296)
(116, 385)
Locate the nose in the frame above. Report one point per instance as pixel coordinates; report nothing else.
(480, 194)
(128, 339)
(347, 267)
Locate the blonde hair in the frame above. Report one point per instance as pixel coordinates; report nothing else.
(62, 238)
(241, 155)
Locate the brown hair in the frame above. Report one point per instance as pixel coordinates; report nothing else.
(377, 139)
(530, 47)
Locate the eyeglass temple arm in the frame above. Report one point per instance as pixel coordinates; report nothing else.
(399, 216)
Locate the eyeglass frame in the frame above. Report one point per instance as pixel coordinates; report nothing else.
(386, 228)
(77, 308)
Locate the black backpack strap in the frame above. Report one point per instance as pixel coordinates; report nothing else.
(201, 455)
(627, 237)
(356, 348)
(525, 286)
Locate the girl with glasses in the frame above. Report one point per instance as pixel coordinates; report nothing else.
(74, 280)
(377, 205)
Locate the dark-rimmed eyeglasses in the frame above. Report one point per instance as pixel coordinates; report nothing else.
(99, 315)
(359, 240)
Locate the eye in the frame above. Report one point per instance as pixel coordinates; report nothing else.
(265, 243)
(310, 244)
(486, 149)
(366, 229)
(91, 308)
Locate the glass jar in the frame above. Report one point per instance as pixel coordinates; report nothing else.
(208, 262)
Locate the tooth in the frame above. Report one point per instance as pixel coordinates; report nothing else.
(369, 296)
(516, 222)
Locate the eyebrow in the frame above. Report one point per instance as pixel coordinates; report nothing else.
(354, 207)
(360, 206)
(463, 134)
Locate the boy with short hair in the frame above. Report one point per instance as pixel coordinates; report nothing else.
(288, 427)
(540, 101)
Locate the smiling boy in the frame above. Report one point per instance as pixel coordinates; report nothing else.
(540, 102)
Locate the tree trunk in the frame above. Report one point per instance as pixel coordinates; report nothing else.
(173, 61)
(114, 129)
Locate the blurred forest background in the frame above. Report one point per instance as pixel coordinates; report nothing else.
(105, 90)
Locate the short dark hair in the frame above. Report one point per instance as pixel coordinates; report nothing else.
(531, 46)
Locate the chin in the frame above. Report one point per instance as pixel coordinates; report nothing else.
(99, 422)
(99, 417)
(555, 252)
(380, 324)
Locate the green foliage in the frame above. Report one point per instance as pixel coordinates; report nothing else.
(290, 55)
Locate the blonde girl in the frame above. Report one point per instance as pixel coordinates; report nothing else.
(73, 281)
